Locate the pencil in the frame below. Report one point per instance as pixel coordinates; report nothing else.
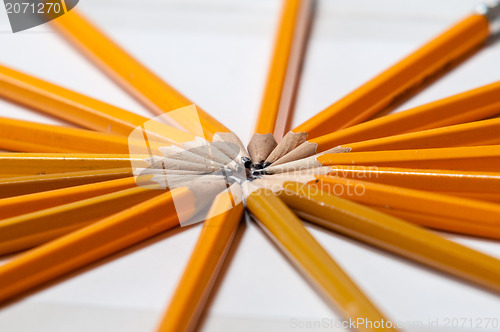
(14, 206)
(31, 229)
(89, 244)
(425, 203)
(284, 228)
(473, 105)
(413, 71)
(284, 72)
(474, 158)
(79, 109)
(449, 225)
(392, 234)
(277, 103)
(139, 81)
(484, 132)
(50, 163)
(203, 267)
(23, 185)
(447, 182)
(27, 136)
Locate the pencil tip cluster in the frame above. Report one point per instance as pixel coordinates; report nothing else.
(226, 160)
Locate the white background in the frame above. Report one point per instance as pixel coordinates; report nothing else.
(216, 52)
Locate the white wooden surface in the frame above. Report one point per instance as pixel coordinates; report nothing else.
(216, 52)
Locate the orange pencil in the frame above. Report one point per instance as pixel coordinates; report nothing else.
(486, 132)
(89, 244)
(474, 158)
(392, 234)
(468, 106)
(283, 76)
(29, 184)
(142, 83)
(279, 95)
(14, 206)
(203, 267)
(459, 211)
(51, 163)
(289, 233)
(414, 70)
(79, 109)
(27, 136)
(31, 229)
(462, 183)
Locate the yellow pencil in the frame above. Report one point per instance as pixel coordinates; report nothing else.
(17, 205)
(89, 244)
(461, 183)
(473, 105)
(202, 269)
(139, 81)
(79, 109)
(459, 211)
(50, 163)
(414, 70)
(28, 230)
(282, 79)
(484, 132)
(281, 224)
(474, 158)
(27, 136)
(22, 185)
(392, 234)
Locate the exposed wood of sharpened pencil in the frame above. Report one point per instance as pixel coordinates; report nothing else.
(15, 186)
(473, 105)
(288, 143)
(284, 71)
(14, 206)
(94, 242)
(448, 182)
(50, 163)
(18, 135)
(28, 230)
(260, 146)
(231, 141)
(484, 132)
(142, 83)
(394, 83)
(78, 108)
(304, 163)
(392, 234)
(284, 228)
(203, 267)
